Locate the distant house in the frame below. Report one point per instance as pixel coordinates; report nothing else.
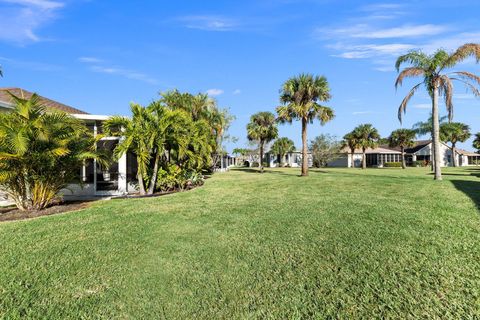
(377, 157)
(421, 151)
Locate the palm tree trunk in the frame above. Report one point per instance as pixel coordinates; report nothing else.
(304, 148)
(141, 184)
(261, 157)
(454, 155)
(280, 163)
(404, 165)
(364, 160)
(436, 136)
(352, 163)
(153, 181)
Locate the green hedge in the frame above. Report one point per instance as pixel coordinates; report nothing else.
(392, 164)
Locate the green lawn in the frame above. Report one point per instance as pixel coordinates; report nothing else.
(340, 243)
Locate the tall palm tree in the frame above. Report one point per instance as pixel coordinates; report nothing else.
(367, 137)
(300, 97)
(281, 147)
(454, 132)
(402, 138)
(350, 141)
(431, 68)
(263, 129)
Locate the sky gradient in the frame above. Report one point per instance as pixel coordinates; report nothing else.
(99, 56)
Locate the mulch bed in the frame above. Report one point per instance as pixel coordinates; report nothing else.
(12, 213)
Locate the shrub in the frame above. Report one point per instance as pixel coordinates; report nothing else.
(392, 164)
(255, 164)
(172, 178)
(420, 163)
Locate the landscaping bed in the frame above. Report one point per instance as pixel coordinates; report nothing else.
(12, 213)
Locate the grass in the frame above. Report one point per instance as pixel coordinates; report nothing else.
(341, 243)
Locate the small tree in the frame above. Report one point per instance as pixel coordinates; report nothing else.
(402, 138)
(324, 148)
(367, 137)
(40, 152)
(262, 129)
(350, 141)
(281, 147)
(454, 132)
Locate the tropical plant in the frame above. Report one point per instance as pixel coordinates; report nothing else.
(476, 141)
(324, 148)
(454, 132)
(39, 152)
(403, 138)
(300, 97)
(262, 128)
(367, 137)
(281, 147)
(431, 68)
(350, 141)
(423, 128)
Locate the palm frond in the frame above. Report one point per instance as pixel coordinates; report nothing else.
(402, 109)
(446, 90)
(464, 52)
(416, 58)
(408, 73)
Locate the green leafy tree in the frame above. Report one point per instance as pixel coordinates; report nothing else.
(39, 151)
(438, 83)
(281, 147)
(324, 148)
(403, 138)
(423, 128)
(367, 137)
(300, 97)
(350, 141)
(454, 132)
(262, 128)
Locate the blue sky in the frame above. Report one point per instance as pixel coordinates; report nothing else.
(101, 55)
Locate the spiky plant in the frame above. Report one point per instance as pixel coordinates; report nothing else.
(454, 132)
(281, 147)
(262, 128)
(438, 83)
(403, 138)
(476, 141)
(301, 97)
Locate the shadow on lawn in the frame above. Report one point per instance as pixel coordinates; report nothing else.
(470, 188)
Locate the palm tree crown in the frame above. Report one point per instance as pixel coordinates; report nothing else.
(454, 132)
(367, 137)
(263, 129)
(300, 97)
(281, 147)
(402, 138)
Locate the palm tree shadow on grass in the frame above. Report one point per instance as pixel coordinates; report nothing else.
(266, 171)
(470, 188)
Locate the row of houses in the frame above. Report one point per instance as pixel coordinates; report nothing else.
(120, 177)
(421, 151)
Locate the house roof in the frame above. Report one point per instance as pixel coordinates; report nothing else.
(418, 145)
(467, 153)
(48, 103)
(385, 149)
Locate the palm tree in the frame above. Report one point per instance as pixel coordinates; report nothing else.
(402, 138)
(281, 147)
(476, 141)
(350, 141)
(38, 150)
(300, 97)
(263, 129)
(454, 132)
(367, 137)
(438, 83)
(423, 128)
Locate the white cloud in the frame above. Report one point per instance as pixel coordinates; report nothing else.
(129, 74)
(365, 31)
(90, 60)
(362, 112)
(422, 106)
(209, 23)
(237, 91)
(214, 92)
(371, 50)
(21, 19)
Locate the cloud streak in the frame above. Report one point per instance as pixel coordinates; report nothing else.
(20, 20)
(209, 23)
(214, 92)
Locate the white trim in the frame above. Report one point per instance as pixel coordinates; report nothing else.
(91, 116)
